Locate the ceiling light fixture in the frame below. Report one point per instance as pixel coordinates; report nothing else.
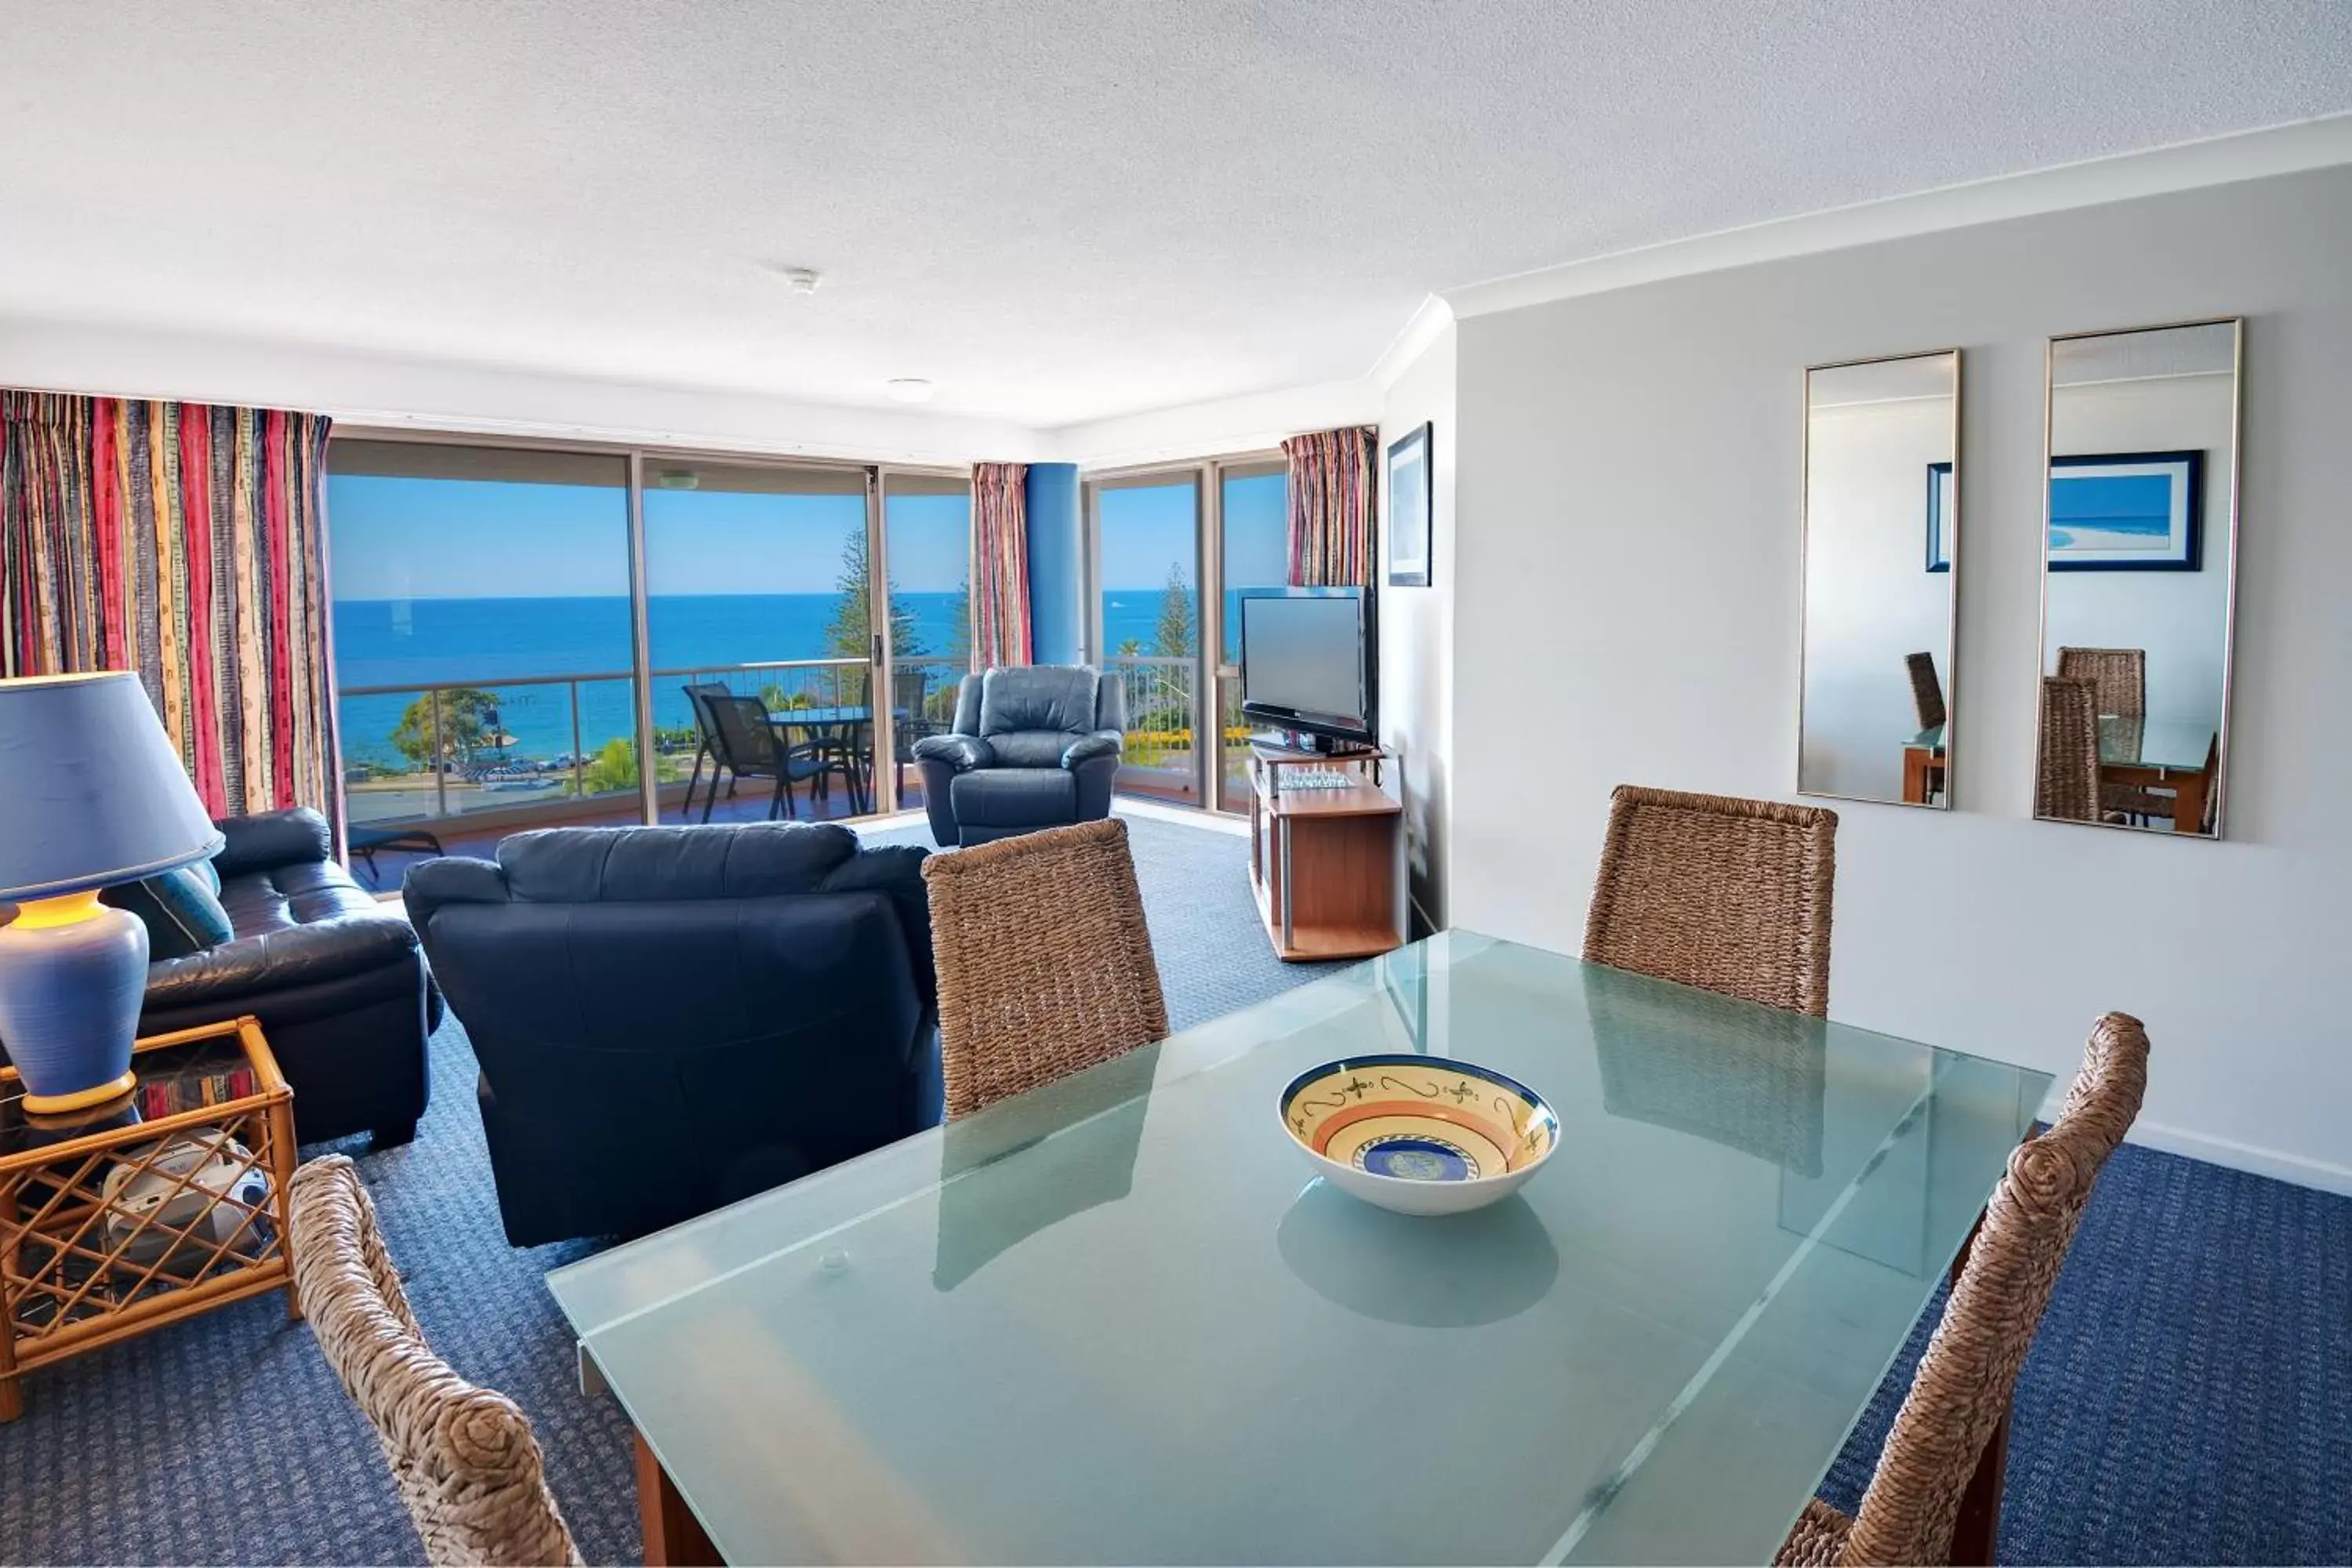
(908, 389)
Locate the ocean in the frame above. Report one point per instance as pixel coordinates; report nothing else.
(484, 642)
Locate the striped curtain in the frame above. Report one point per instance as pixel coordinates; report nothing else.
(181, 540)
(1331, 507)
(1000, 564)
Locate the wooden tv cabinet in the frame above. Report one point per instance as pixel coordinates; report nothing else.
(1326, 865)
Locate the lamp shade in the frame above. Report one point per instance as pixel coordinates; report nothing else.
(92, 792)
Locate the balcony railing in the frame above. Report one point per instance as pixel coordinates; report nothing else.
(427, 751)
(514, 750)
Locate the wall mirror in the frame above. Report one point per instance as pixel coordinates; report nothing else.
(1881, 521)
(2140, 552)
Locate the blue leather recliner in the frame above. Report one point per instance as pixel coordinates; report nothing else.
(668, 1019)
(1033, 746)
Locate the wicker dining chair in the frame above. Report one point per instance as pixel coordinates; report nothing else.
(1730, 894)
(1044, 960)
(2066, 772)
(464, 1458)
(1927, 690)
(1927, 706)
(1970, 1366)
(2119, 673)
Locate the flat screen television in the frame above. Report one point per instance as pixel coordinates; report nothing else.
(1310, 662)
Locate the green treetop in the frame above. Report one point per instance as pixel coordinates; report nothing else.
(849, 635)
(1173, 636)
(468, 726)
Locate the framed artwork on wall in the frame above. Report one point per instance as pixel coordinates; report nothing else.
(1411, 489)
(2126, 511)
(1939, 517)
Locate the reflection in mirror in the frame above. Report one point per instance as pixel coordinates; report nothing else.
(1881, 533)
(2137, 559)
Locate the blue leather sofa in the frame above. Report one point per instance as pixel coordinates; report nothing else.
(671, 1018)
(1033, 746)
(334, 975)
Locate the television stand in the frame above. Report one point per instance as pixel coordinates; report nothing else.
(1296, 745)
(1326, 865)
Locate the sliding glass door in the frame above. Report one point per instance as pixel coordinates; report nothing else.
(758, 583)
(1147, 609)
(516, 627)
(927, 545)
(484, 661)
(1171, 552)
(1253, 551)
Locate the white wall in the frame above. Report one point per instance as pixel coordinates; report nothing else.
(1628, 610)
(1417, 629)
(2178, 617)
(387, 390)
(1870, 599)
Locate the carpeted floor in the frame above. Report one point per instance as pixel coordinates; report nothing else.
(2184, 1403)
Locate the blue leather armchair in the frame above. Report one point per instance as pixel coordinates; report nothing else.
(671, 1018)
(1033, 746)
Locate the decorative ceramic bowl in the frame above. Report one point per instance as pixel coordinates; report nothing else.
(1418, 1134)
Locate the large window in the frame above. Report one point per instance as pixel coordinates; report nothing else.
(1255, 534)
(1172, 551)
(483, 650)
(487, 634)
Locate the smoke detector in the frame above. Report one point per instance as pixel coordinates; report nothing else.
(803, 279)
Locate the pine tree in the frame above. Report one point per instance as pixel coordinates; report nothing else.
(1173, 638)
(850, 632)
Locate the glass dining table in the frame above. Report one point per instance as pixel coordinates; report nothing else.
(2179, 755)
(1120, 1319)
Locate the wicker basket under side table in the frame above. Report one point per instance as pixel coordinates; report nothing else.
(166, 1203)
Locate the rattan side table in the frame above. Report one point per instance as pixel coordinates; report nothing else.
(166, 1203)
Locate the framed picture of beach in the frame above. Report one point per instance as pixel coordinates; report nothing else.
(1939, 517)
(1409, 492)
(2126, 511)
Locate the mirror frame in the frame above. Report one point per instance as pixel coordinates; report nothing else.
(2219, 788)
(1954, 540)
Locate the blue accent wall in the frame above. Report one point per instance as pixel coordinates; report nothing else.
(1055, 562)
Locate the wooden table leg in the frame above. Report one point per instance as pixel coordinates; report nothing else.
(1915, 774)
(2188, 801)
(672, 1534)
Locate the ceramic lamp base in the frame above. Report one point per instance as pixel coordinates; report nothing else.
(73, 973)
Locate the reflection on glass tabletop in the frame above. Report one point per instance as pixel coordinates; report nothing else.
(1116, 1319)
(2176, 745)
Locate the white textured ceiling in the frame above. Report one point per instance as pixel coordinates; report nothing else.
(1057, 209)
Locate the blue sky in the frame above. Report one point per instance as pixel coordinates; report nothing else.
(1146, 529)
(470, 539)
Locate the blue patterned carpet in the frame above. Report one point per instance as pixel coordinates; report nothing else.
(2185, 1402)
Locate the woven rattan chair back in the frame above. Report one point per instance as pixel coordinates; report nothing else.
(1730, 894)
(1970, 1367)
(1927, 690)
(1044, 963)
(2066, 773)
(464, 1458)
(2119, 673)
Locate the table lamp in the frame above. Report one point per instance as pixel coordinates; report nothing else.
(92, 794)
